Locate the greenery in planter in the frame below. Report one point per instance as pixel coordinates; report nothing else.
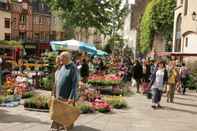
(47, 82)
(103, 110)
(27, 95)
(9, 98)
(85, 108)
(37, 102)
(116, 102)
(2, 99)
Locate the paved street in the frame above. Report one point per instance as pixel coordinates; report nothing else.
(181, 116)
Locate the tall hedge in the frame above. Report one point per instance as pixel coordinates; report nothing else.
(158, 17)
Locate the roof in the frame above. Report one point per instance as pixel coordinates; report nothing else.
(39, 7)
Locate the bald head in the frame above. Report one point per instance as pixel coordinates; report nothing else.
(65, 57)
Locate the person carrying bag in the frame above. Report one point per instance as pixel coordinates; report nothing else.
(62, 111)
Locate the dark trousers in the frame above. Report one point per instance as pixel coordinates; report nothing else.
(183, 81)
(157, 94)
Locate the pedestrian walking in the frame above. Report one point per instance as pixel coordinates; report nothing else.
(157, 83)
(172, 81)
(137, 74)
(184, 75)
(84, 72)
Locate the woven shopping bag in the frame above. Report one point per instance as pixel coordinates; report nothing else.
(63, 113)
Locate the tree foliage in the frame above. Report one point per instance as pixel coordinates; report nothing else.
(116, 42)
(158, 18)
(99, 14)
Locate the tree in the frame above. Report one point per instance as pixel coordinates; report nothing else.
(158, 18)
(115, 43)
(103, 15)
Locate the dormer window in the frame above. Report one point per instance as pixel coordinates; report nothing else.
(42, 6)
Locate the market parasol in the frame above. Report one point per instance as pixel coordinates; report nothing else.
(73, 45)
(101, 53)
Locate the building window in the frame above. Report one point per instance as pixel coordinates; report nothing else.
(7, 36)
(7, 22)
(36, 36)
(186, 7)
(23, 19)
(62, 35)
(47, 36)
(42, 36)
(186, 42)
(42, 7)
(22, 36)
(53, 35)
(178, 34)
(181, 1)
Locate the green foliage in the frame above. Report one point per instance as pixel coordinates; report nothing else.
(116, 102)
(192, 79)
(9, 98)
(27, 95)
(158, 18)
(103, 15)
(37, 102)
(85, 108)
(163, 17)
(47, 82)
(115, 42)
(146, 29)
(49, 58)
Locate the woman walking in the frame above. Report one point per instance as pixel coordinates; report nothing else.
(172, 81)
(158, 81)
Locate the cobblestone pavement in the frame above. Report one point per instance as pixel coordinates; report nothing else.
(180, 116)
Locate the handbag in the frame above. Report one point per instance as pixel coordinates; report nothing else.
(63, 113)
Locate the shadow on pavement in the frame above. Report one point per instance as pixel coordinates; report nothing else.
(192, 95)
(185, 104)
(11, 118)
(181, 98)
(83, 128)
(180, 110)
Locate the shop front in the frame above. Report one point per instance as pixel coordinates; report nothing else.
(44, 47)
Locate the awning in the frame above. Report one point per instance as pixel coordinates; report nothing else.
(10, 44)
(183, 54)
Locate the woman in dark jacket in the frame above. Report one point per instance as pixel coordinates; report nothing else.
(137, 74)
(84, 71)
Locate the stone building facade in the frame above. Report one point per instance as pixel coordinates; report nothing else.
(5, 21)
(21, 21)
(41, 25)
(185, 27)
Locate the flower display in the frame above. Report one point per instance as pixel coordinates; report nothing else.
(104, 80)
(101, 106)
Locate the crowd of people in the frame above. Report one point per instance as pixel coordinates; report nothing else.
(155, 77)
(151, 77)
